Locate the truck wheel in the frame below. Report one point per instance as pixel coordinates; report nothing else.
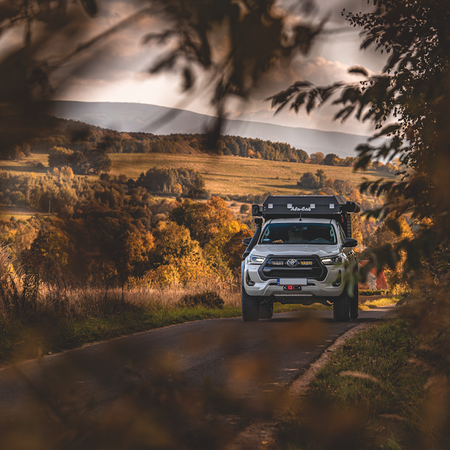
(250, 307)
(341, 307)
(354, 303)
(266, 311)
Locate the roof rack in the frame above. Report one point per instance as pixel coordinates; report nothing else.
(314, 206)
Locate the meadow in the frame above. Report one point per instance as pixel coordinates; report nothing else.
(224, 175)
(233, 175)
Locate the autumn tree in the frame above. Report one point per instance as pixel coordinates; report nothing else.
(130, 254)
(227, 244)
(309, 181)
(316, 158)
(331, 160)
(204, 220)
(172, 241)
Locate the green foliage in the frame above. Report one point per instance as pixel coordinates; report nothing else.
(208, 299)
(370, 393)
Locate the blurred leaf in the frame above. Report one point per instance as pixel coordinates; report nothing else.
(188, 79)
(386, 131)
(358, 70)
(90, 6)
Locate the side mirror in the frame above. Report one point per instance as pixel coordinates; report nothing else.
(246, 241)
(256, 210)
(350, 242)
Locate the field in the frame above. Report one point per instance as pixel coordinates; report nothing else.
(224, 175)
(27, 165)
(231, 175)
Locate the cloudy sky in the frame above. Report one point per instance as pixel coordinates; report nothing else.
(121, 62)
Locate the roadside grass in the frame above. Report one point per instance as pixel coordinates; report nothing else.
(372, 394)
(140, 311)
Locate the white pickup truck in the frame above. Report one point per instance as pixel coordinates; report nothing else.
(299, 254)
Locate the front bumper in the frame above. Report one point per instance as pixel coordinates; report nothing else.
(257, 287)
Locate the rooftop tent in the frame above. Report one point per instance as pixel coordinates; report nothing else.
(313, 206)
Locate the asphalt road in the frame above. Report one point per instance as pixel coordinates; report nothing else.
(224, 354)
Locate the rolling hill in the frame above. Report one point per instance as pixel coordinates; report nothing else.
(137, 117)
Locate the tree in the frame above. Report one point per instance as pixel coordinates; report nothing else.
(129, 254)
(98, 160)
(310, 181)
(172, 241)
(204, 220)
(331, 160)
(317, 158)
(59, 157)
(227, 244)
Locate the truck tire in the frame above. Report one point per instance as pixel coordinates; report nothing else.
(266, 310)
(354, 303)
(250, 307)
(341, 307)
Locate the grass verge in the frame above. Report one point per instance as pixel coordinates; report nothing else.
(373, 394)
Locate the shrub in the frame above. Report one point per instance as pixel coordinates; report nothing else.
(309, 181)
(209, 299)
(245, 208)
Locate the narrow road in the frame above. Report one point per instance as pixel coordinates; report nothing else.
(242, 359)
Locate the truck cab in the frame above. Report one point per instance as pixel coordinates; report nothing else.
(299, 254)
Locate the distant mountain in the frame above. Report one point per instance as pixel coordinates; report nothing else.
(137, 117)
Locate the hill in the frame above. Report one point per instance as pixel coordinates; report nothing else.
(137, 117)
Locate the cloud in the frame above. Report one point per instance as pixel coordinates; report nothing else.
(110, 73)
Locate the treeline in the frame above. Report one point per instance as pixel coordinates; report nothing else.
(84, 147)
(332, 159)
(74, 136)
(191, 143)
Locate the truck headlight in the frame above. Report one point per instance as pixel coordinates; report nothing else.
(331, 260)
(256, 259)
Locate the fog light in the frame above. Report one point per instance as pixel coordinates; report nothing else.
(338, 280)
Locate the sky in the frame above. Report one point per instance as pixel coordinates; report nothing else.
(121, 62)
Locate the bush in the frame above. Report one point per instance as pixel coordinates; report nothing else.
(245, 208)
(310, 181)
(208, 298)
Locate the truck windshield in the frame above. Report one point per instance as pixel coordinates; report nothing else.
(298, 233)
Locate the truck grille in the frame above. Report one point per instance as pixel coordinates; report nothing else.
(293, 267)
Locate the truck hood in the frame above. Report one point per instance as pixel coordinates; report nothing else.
(296, 250)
